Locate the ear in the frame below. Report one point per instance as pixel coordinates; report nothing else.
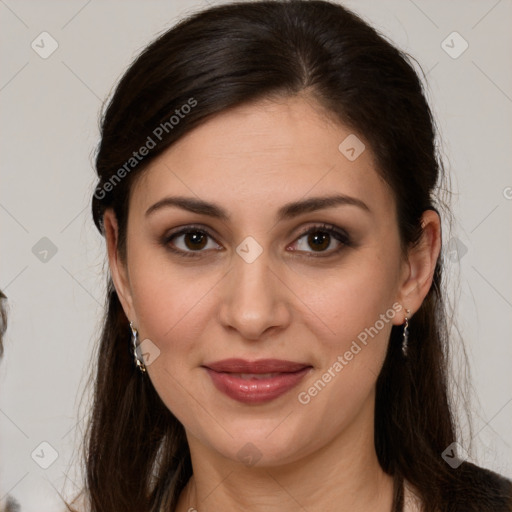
(420, 265)
(118, 268)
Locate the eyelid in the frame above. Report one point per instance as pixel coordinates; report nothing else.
(324, 226)
(188, 228)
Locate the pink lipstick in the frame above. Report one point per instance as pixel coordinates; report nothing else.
(256, 382)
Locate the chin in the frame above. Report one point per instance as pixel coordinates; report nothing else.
(264, 443)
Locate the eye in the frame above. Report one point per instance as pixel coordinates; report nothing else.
(322, 237)
(189, 240)
(192, 241)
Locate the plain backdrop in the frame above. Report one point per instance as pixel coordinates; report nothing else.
(53, 259)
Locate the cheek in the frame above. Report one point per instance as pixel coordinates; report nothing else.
(170, 303)
(359, 312)
(350, 300)
(355, 310)
(167, 296)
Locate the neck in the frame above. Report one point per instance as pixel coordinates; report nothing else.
(343, 476)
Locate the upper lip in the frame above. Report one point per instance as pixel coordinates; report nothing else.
(258, 366)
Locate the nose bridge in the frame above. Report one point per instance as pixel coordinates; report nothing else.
(253, 301)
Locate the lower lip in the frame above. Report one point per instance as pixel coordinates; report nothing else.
(256, 391)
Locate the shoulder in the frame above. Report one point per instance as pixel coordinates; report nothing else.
(480, 490)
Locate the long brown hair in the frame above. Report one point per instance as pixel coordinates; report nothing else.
(136, 454)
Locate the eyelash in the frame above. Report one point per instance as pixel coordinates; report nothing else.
(335, 232)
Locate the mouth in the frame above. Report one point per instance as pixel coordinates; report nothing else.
(256, 382)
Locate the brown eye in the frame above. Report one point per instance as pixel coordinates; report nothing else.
(195, 240)
(324, 240)
(319, 240)
(189, 242)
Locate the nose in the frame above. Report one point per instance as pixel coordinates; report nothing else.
(255, 300)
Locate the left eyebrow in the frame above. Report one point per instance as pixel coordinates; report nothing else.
(291, 210)
(288, 211)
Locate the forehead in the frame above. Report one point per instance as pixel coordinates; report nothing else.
(267, 153)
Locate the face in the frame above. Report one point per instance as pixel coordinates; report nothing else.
(266, 313)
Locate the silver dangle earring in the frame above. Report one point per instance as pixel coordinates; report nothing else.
(135, 338)
(405, 336)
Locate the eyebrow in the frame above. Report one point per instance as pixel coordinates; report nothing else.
(288, 211)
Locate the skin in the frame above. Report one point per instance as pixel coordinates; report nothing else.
(286, 304)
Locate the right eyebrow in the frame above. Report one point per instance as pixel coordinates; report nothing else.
(192, 205)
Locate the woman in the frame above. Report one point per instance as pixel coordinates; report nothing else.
(275, 334)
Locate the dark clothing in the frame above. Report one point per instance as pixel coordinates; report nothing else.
(480, 490)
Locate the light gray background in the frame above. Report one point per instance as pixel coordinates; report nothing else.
(50, 110)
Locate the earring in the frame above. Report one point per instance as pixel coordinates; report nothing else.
(135, 338)
(405, 336)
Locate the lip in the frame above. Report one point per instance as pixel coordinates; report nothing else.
(263, 380)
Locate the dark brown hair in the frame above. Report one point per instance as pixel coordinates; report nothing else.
(137, 456)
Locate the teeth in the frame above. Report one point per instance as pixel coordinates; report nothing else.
(248, 376)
